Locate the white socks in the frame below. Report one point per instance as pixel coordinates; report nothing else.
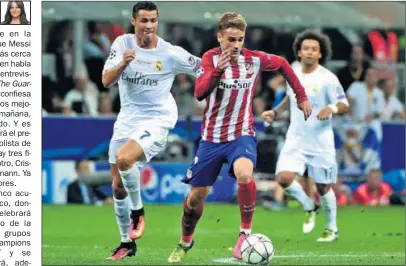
(296, 191)
(186, 244)
(329, 203)
(245, 231)
(131, 182)
(122, 212)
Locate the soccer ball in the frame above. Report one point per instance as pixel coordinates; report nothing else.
(256, 249)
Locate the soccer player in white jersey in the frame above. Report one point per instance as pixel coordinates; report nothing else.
(310, 144)
(144, 65)
(227, 80)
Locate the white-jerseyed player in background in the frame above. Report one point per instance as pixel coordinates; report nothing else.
(144, 65)
(310, 144)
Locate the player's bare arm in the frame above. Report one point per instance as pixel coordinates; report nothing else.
(272, 115)
(111, 76)
(208, 81)
(326, 112)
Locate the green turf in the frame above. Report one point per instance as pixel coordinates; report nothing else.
(81, 235)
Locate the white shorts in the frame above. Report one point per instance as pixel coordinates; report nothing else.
(323, 169)
(151, 139)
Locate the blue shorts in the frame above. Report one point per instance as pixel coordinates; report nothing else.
(210, 158)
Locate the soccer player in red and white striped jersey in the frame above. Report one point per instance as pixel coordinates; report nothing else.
(226, 79)
(229, 90)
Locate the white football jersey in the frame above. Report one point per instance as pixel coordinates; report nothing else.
(314, 137)
(146, 83)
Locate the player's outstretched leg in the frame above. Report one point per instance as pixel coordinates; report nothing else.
(294, 189)
(127, 155)
(127, 247)
(243, 170)
(329, 203)
(192, 211)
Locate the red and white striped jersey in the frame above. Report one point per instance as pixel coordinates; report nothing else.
(228, 113)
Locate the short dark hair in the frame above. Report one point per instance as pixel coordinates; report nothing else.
(323, 40)
(144, 5)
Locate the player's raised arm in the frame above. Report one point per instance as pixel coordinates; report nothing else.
(271, 62)
(118, 60)
(209, 76)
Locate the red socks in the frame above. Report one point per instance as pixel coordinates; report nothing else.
(189, 220)
(246, 199)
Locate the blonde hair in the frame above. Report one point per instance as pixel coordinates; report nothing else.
(231, 20)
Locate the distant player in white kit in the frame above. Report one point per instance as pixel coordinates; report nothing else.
(310, 144)
(144, 65)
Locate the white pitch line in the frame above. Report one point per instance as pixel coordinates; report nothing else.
(310, 254)
(340, 255)
(233, 261)
(295, 256)
(52, 246)
(291, 256)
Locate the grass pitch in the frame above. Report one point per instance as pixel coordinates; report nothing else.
(85, 235)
